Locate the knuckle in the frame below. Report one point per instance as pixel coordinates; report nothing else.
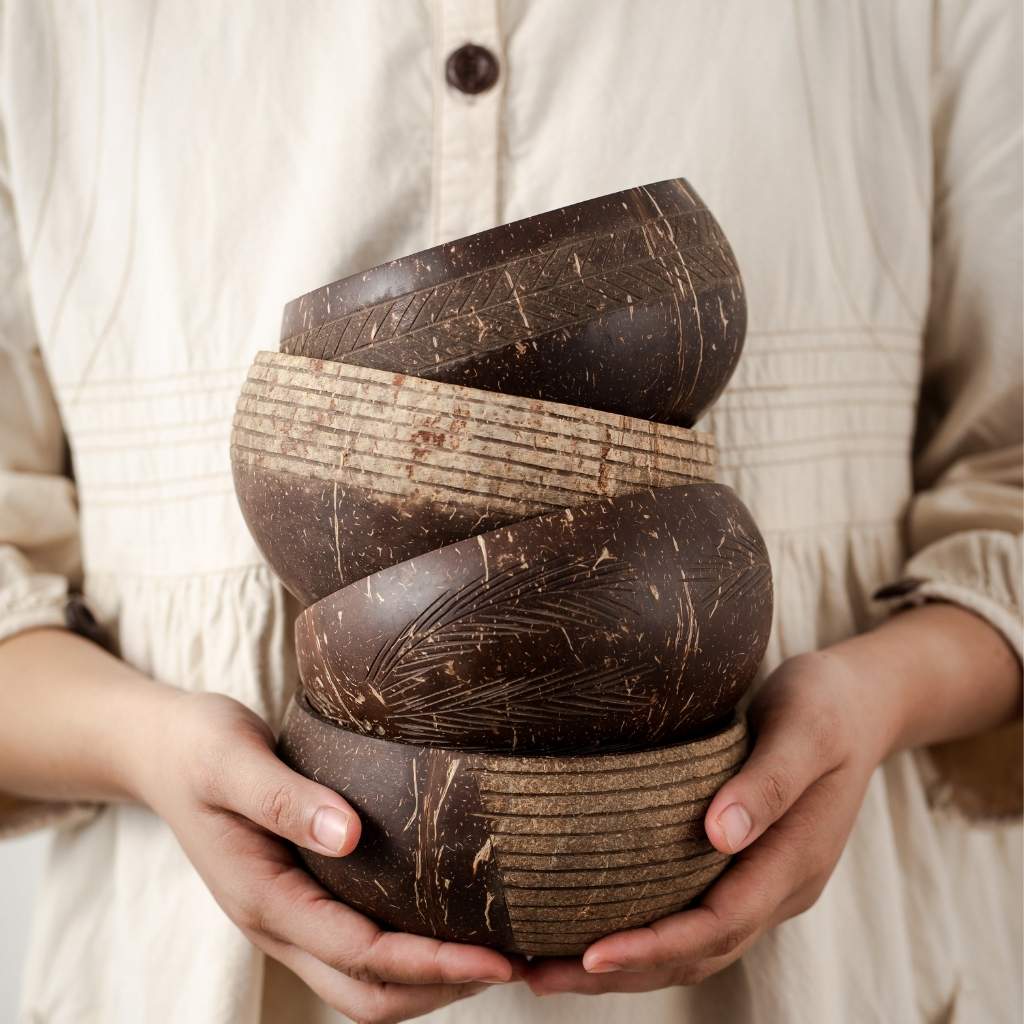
(247, 911)
(359, 972)
(693, 974)
(365, 965)
(803, 903)
(277, 806)
(773, 789)
(356, 966)
(376, 1006)
(809, 894)
(823, 729)
(730, 939)
(209, 770)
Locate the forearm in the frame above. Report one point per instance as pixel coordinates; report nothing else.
(936, 673)
(74, 721)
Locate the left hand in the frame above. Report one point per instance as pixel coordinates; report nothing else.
(820, 732)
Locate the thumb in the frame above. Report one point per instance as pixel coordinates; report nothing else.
(256, 784)
(789, 755)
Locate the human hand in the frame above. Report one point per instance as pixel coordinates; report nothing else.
(823, 721)
(789, 810)
(215, 779)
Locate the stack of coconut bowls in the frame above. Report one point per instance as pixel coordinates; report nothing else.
(530, 611)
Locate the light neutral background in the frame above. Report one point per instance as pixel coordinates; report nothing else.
(21, 868)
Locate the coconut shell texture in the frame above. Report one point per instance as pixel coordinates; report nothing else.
(631, 303)
(341, 471)
(623, 623)
(530, 612)
(532, 855)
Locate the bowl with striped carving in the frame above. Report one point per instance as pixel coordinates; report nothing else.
(533, 855)
(341, 470)
(631, 303)
(617, 624)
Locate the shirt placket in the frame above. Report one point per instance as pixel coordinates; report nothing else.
(465, 193)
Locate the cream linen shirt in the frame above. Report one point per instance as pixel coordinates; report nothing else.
(174, 172)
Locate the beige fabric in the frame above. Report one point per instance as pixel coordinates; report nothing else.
(175, 173)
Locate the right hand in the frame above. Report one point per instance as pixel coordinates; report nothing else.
(230, 801)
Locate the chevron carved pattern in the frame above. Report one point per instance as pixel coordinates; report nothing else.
(738, 571)
(543, 292)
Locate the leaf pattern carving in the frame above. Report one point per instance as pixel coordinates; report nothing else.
(522, 600)
(528, 700)
(738, 569)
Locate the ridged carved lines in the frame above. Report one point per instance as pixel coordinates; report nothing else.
(368, 426)
(632, 830)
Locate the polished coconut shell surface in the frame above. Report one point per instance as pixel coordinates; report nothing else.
(342, 470)
(622, 623)
(534, 855)
(630, 303)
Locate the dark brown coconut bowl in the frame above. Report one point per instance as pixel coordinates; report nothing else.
(623, 623)
(535, 855)
(342, 470)
(631, 303)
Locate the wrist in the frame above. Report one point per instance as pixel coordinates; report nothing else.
(148, 754)
(868, 707)
(84, 733)
(881, 694)
(930, 674)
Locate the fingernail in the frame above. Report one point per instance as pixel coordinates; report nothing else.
(485, 979)
(330, 827)
(601, 967)
(735, 824)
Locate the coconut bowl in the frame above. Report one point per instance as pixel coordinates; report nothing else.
(533, 855)
(631, 303)
(343, 470)
(622, 623)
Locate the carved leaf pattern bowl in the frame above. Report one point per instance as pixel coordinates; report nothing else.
(621, 623)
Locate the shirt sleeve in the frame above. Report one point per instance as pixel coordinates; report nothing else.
(39, 549)
(39, 540)
(965, 523)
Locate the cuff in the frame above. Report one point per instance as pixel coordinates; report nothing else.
(32, 602)
(19, 816)
(982, 776)
(979, 570)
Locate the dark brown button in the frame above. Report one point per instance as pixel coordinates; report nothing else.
(471, 69)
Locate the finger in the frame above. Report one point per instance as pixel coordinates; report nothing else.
(546, 977)
(253, 782)
(761, 888)
(379, 1003)
(741, 904)
(793, 749)
(295, 910)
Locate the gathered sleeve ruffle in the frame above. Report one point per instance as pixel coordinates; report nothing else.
(965, 523)
(39, 539)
